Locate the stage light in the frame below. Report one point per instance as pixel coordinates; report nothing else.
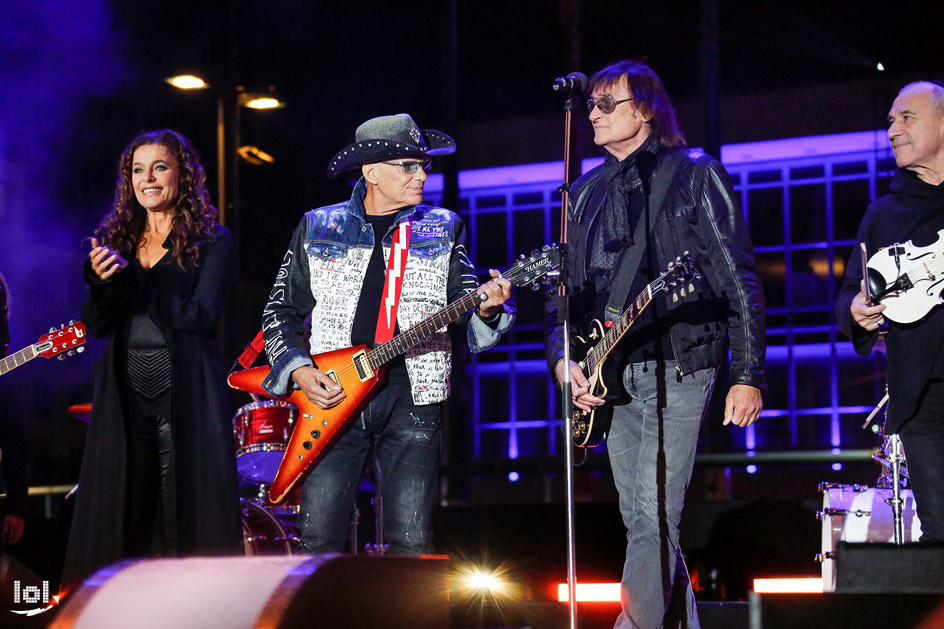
(806, 585)
(472, 581)
(836, 467)
(751, 469)
(187, 82)
(591, 593)
(485, 582)
(513, 476)
(880, 67)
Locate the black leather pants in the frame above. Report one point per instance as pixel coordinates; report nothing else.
(150, 523)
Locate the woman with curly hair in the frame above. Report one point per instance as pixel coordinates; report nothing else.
(159, 472)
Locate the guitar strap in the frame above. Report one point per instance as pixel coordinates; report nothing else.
(390, 301)
(662, 179)
(250, 353)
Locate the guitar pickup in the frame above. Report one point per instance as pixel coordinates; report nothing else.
(362, 365)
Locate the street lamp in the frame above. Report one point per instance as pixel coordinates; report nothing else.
(224, 157)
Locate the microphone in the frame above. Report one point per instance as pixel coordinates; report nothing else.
(574, 82)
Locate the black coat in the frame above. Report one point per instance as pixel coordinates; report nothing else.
(913, 210)
(186, 305)
(701, 215)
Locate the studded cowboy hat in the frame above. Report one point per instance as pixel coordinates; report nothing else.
(389, 137)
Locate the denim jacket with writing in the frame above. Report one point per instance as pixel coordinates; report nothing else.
(322, 275)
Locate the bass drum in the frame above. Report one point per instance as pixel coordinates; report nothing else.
(854, 513)
(263, 534)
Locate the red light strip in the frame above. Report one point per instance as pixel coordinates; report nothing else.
(811, 585)
(591, 593)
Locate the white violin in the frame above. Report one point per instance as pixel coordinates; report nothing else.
(907, 279)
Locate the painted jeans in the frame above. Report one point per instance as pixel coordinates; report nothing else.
(405, 438)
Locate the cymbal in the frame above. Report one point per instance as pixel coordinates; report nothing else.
(81, 412)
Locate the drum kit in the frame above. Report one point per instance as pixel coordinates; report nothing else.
(884, 513)
(262, 430)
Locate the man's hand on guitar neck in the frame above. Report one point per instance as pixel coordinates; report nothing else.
(318, 387)
(496, 291)
(868, 317)
(579, 386)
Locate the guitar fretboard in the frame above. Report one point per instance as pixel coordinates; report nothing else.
(18, 358)
(602, 349)
(520, 274)
(400, 344)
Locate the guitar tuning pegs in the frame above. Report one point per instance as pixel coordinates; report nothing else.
(80, 349)
(71, 322)
(535, 286)
(52, 329)
(70, 353)
(521, 257)
(60, 357)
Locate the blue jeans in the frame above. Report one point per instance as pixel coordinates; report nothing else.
(405, 438)
(651, 445)
(922, 437)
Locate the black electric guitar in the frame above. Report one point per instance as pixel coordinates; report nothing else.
(589, 428)
(907, 279)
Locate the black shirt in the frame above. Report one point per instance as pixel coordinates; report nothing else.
(368, 306)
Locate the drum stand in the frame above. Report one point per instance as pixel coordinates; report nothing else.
(895, 501)
(378, 547)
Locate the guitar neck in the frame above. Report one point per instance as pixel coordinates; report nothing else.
(400, 344)
(16, 359)
(602, 349)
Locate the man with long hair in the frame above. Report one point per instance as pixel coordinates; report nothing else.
(651, 201)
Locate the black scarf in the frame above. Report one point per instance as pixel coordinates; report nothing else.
(612, 234)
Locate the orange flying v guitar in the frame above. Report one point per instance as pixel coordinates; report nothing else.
(358, 371)
(63, 342)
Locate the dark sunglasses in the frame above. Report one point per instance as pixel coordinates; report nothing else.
(410, 168)
(606, 105)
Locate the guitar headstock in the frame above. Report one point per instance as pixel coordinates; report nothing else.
(66, 341)
(539, 267)
(678, 278)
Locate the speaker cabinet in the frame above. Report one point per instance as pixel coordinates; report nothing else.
(266, 591)
(887, 568)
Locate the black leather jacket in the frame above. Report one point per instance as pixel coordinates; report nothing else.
(701, 214)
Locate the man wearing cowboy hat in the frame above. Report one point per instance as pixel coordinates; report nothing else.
(365, 270)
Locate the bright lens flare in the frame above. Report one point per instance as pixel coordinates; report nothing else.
(471, 581)
(485, 582)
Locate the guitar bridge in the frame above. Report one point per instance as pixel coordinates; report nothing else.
(362, 365)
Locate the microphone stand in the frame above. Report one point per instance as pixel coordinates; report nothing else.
(563, 314)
